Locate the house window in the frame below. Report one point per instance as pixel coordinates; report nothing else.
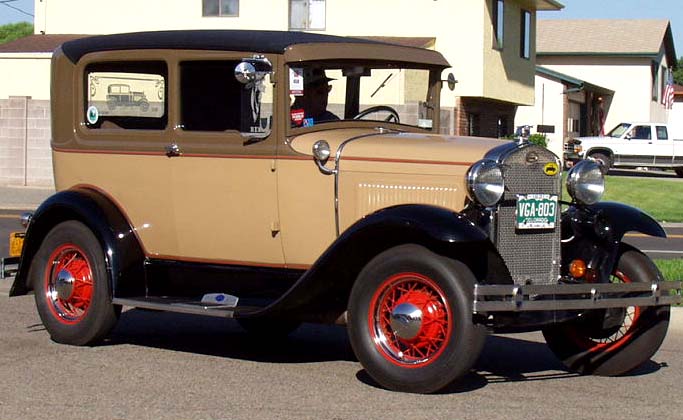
(655, 80)
(498, 17)
(525, 40)
(220, 7)
(307, 14)
(472, 124)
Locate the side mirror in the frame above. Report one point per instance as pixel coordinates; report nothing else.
(253, 69)
(245, 73)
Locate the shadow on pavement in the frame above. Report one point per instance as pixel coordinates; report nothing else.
(507, 358)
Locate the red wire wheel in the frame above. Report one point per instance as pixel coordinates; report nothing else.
(410, 320)
(610, 339)
(613, 341)
(68, 283)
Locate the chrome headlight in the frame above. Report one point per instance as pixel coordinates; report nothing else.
(485, 183)
(585, 182)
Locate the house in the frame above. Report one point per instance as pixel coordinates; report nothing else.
(633, 58)
(565, 107)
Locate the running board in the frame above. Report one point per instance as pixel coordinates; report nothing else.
(215, 304)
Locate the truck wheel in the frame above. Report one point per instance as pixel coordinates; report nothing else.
(612, 342)
(410, 320)
(606, 162)
(71, 285)
(679, 172)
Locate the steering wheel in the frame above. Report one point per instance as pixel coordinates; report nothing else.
(393, 115)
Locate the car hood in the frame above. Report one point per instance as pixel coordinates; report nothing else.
(371, 145)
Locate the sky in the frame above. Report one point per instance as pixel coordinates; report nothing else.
(574, 9)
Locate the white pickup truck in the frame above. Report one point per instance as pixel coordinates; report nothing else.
(630, 145)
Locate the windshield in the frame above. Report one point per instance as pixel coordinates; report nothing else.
(619, 130)
(322, 93)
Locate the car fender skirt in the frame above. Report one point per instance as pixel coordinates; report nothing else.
(321, 294)
(122, 252)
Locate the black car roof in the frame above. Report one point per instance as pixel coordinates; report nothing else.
(228, 40)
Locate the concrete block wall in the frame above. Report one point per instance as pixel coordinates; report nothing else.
(25, 156)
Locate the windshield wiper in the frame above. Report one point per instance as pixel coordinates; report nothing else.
(382, 85)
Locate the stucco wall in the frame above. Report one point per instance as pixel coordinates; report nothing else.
(629, 78)
(548, 110)
(25, 158)
(25, 75)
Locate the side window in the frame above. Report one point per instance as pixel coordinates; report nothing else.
(211, 99)
(129, 95)
(641, 132)
(498, 19)
(662, 133)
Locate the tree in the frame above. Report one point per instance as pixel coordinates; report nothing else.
(678, 73)
(13, 31)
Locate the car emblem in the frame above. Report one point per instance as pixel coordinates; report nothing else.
(532, 157)
(551, 169)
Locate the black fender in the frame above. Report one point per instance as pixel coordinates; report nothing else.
(322, 293)
(594, 233)
(122, 251)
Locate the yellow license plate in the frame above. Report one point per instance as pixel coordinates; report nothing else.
(16, 243)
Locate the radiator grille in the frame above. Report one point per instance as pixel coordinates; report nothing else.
(532, 256)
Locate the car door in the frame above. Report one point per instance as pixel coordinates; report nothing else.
(636, 147)
(663, 146)
(223, 177)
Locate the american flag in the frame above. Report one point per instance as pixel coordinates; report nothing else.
(668, 97)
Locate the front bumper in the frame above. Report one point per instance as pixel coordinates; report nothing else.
(514, 298)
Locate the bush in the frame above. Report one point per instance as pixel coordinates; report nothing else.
(538, 139)
(13, 31)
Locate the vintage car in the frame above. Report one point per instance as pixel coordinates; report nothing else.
(119, 94)
(296, 177)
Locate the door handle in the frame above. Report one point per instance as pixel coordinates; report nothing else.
(172, 150)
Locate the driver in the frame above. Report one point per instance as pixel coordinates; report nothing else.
(313, 102)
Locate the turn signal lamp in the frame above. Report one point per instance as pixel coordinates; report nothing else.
(577, 269)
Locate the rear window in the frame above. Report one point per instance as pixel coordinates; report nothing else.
(662, 133)
(130, 95)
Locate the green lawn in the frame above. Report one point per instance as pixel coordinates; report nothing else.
(660, 198)
(671, 269)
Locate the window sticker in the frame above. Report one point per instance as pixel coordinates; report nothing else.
(296, 81)
(297, 116)
(308, 122)
(92, 115)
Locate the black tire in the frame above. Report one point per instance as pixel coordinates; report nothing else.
(586, 346)
(679, 172)
(72, 287)
(266, 328)
(604, 160)
(441, 347)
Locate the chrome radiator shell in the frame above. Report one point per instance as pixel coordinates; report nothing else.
(533, 256)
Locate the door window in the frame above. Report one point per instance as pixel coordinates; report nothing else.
(641, 132)
(662, 133)
(213, 100)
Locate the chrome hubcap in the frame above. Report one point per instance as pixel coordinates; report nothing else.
(64, 284)
(406, 321)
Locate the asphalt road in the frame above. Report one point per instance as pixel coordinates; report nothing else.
(170, 366)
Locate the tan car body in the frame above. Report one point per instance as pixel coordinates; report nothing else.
(275, 207)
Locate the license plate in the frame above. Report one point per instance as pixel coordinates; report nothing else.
(16, 243)
(536, 211)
